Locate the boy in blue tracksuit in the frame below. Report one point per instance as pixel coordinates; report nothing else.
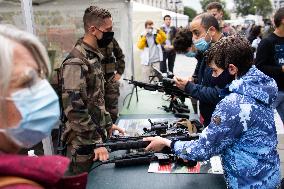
(242, 128)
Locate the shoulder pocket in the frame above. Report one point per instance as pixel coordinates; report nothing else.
(73, 75)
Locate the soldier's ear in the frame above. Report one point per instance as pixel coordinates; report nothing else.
(92, 30)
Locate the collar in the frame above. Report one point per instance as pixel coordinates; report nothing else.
(225, 92)
(167, 27)
(86, 47)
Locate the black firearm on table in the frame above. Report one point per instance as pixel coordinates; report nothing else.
(173, 131)
(168, 87)
(142, 158)
(127, 143)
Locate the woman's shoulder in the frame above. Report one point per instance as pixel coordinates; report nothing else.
(31, 167)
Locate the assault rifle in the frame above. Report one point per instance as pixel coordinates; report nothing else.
(142, 158)
(168, 87)
(157, 127)
(127, 143)
(57, 86)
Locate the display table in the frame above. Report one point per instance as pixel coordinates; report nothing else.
(137, 177)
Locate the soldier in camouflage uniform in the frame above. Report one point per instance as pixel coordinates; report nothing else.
(83, 91)
(113, 65)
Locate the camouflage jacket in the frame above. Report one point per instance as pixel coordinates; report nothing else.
(83, 96)
(113, 58)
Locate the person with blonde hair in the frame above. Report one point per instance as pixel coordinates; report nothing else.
(29, 109)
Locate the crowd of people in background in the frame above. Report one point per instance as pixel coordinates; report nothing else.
(238, 81)
(234, 81)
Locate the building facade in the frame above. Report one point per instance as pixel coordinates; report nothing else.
(172, 5)
(277, 4)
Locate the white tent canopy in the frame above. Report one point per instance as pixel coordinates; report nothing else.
(182, 19)
(141, 13)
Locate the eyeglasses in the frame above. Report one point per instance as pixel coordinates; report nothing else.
(28, 78)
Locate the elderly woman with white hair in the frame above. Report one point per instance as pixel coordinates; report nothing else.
(29, 109)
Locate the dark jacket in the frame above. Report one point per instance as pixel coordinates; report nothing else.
(204, 91)
(270, 58)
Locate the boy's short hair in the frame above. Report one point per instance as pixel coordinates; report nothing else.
(234, 50)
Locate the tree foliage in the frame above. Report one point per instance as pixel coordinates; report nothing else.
(244, 7)
(191, 13)
(263, 7)
(257, 7)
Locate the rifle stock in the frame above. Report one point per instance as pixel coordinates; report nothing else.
(115, 144)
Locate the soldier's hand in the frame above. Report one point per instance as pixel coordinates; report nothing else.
(101, 154)
(117, 77)
(116, 128)
(157, 143)
(180, 83)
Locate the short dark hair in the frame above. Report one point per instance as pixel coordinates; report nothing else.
(214, 5)
(95, 16)
(148, 22)
(182, 41)
(234, 50)
(208, 20)
(278, 16)
(255, 31)
(167, 16)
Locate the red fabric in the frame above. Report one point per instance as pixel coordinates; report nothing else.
(201, 119)
(45, 170)
(21, 186)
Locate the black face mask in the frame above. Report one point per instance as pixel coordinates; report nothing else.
(105, 40)
(222, 80)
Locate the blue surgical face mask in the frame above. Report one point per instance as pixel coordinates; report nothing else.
(201, 44)
(190, 54)
(39, 108)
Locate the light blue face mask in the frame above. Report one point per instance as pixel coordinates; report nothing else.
(39, 108)
(190, 54)
(201, 44)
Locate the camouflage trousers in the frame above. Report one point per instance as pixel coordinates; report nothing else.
(79, 163)
(111, 96)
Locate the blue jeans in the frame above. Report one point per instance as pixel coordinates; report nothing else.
(279, 104)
